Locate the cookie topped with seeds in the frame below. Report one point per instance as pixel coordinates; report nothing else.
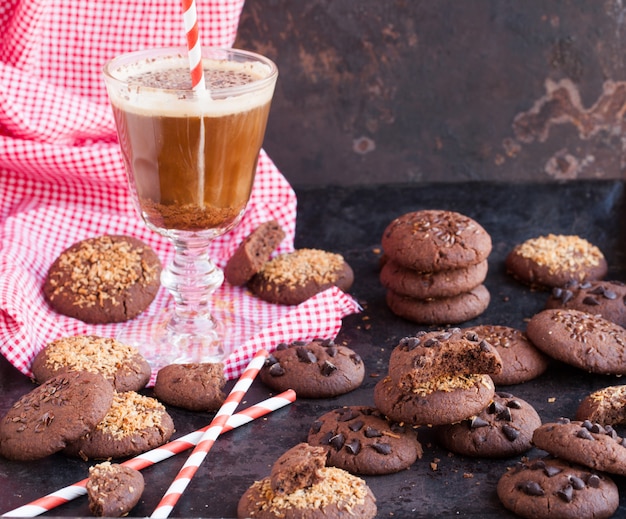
(57, 412)
(579, 339)
(544, 488)
(606, 405)
(316, 369)
(584, 442)
(106, 279)
(555, 260)
(432, 240)
(605, 298)
(361, 440)
(122, 365)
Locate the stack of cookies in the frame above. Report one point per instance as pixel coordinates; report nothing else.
(435, 263)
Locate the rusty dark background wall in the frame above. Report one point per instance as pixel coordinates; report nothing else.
(375, 91)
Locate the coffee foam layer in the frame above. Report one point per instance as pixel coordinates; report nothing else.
(131, 96)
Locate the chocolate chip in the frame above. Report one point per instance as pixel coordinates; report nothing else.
(382, 448)
(610, 294)
(356, 425)
(276, 370)
(566, 494)
(551, 471)
(372, 432)
(590, 301)
(325, 440)
(576, 482)
(345, 414)
(477, 422)
(594, 481)
(305, 355)
(431, 342)
(514, 404)
(332, 350)
(316, 426)
(353, 447)
(505, 415)
(510, 432)
(584, 434)
(409, 343)
(531, 488)
(337, 441)
(327, 368)
(356, 358)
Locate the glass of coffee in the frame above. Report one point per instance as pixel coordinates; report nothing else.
(190, 156)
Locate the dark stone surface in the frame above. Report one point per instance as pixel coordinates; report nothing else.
(377, 91)
(351, 221)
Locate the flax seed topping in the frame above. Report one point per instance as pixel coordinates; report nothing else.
(583, 327)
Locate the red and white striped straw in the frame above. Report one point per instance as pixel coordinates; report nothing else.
(194, 49)
(191, 466)
(149, 458)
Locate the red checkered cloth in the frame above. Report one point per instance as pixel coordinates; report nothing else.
(62, 177)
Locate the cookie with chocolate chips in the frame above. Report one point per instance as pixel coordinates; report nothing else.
(432, 355)
(549, 487)
(107, 279)
(113, 490)
(133, 424)
(555, 260)
(54, 414)
(590, 444)
(583, 340)
(361, 440)
(606, 406)
(440, 401)
(521, 359)
(294, 277)
(316, 369)
(122, 365)
(502, 430)
(432, 240)
(604, 298)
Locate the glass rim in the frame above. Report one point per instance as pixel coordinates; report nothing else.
(216, 53)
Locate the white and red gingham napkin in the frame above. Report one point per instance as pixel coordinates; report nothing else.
(62, 177)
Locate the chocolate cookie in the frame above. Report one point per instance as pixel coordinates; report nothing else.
(432, 240)
(196, 386)
(548, 488)
(580, 339)
(297, 468)
(604, 298)
(253, 252)
(606, 406)
(502, 430)
(107, 279)
(316, 369)
(57, 412)
(361, 440)
(521, 360)
(432, 355)
(445, 310)
(337, 494)
(133, 424)
(442, 401)
(122, 365)
(554, 260)
(292, 278)
(590, 444)
(425, 285)
(113, 490)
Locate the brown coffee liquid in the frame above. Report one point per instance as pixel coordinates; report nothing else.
(191, 172)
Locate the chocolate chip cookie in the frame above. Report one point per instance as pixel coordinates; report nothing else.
(361, 440)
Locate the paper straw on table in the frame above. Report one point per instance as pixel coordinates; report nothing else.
(151, 457)
(194, 49)
(183, 478)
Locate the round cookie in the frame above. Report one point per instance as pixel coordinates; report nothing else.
(107, 279)
(427, 356)
(590, 444)
(521, 360)
(253, 252)
(580, 339)
(123, 366)
(134, 424)
(316, 369)
(502, 430)
(195, 386)
(424, 285)
(442, 401)
(606, 406)
(362, 441)
(113, 490)
(604, 298)
(294, 277)
(337, 494)
(548, 488)
(554, 260)
(445, 310)
(431, 240)
(59, 411)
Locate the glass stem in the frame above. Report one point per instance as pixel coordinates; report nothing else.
(192, 278)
